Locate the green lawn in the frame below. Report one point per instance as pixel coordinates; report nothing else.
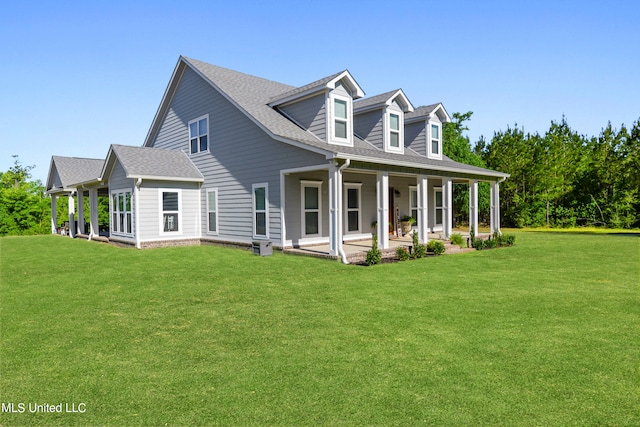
(544, 333)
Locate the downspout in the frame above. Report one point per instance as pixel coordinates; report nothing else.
(340, 169)
(136, 204)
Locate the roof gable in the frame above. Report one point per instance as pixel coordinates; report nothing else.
(383, 100)
(151, 163)
(427, 111)
(326, 83)
(68, 172)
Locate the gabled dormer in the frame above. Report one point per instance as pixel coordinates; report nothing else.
(379, 120)
(423, 130)
(324, 107)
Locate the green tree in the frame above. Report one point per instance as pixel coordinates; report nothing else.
(24, 206)
(457, 147)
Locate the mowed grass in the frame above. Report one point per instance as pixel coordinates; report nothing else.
(544, 333)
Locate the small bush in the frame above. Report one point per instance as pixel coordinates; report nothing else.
(509, 239)
(374, 255)
(419, 250)
(435, 246)
(402, 253)
(457, 239)
(490, 243)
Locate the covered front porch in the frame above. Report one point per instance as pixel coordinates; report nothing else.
(338, 209)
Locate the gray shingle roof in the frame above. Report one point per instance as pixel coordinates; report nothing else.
(253, 94)
(308, 87)
(74, 170)
(422, 111)
(156, 163)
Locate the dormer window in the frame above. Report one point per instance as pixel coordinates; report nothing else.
(340, 118)
(394, 130)
(394, 134)
(340, 131)
(435, 141)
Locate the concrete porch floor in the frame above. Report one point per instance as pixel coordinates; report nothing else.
(356, 248)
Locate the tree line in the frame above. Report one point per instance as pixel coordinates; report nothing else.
(559, 179)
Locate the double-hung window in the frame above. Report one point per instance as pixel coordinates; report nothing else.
(340, 120)
(311, 208)
(121, 218)
(260, 210)
(170, 202)
(394, 130)
(353, 207)
(438, 206)
(212, 211)
(413, 203)
(199, 134)
(435, 141)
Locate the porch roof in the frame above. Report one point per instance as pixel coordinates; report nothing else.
(67, 173)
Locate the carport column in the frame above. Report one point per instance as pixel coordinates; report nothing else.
(80, 212)
(447, 206)
(72, 216)
(382, 193)
(335, 202)
(93, 212)
(423, 211)
(495, 207)
(54, 214)
(473, 207)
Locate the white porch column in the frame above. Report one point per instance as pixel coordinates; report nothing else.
(382, 193)
(473, 207)
(495, 207)
(72, 216)
(447, 206)
(423, 209)
(54, 215)
(80, 212)
(93, 212)
(335, 205)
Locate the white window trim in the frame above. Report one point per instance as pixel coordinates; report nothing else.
(387, 131)
(303, 210)
(115, 210)
(215, 191)
(347, 186)
(161, 211)
(413, 188)
(331, 138)
(430, 152)
(206, 116)
(266, 209)
(435, 207)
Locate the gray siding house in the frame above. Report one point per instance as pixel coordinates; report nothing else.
(234, 158)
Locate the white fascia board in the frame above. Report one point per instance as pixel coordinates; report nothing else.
(354, 86)
(447, 118)
(408, 107)
(164, 178)
(421, 166)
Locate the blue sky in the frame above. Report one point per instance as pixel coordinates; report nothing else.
(77, 76)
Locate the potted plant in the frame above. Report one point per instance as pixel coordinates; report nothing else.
(407, 221)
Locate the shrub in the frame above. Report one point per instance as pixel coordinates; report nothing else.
(490, 243)
(419, 250)
(374, 255)
(509, 239)
(402, 253)
(457, 239)
(435, 246)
